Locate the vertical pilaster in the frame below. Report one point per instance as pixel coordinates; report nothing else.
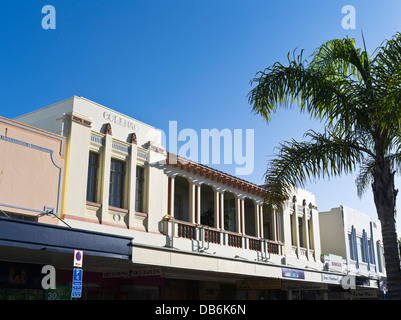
(306, 231)
(77, 130)
(106, 178)
(132, 185)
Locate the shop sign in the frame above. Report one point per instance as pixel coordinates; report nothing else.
(262, 284)
(60, 293)
(366, 294)
(331, 278)
(132, 273)
(293, 273)
(292, 285)
(333, 262)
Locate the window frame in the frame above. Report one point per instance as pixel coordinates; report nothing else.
(140, 187)
(117, 189)
(93, 177)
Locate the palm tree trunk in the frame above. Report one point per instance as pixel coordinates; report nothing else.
(385, 198)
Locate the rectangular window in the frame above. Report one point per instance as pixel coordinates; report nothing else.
(361, 249)
(93, 172)
(139, 194)
(310, 233)
(351, 247)
(117, 177)
(293, 230)
(280, 227)
(371, 251)
(301, 233)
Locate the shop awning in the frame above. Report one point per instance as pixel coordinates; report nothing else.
(33, 242)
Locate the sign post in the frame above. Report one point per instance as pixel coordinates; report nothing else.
(77, 275)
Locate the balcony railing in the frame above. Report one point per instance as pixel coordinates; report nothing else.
(255, 244)
(211, 235)
(186, 230)
(234, 240)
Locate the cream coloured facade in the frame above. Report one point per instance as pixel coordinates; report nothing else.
(189, 220)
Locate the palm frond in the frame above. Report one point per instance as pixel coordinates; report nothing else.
(325, 155)
(340, 58)
(364, 177)
(317, 94)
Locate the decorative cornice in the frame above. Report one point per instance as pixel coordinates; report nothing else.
(213, 174)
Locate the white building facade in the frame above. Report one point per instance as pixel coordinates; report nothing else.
(189, 222)
(353, 236)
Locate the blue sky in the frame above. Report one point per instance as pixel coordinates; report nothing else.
(188, 61)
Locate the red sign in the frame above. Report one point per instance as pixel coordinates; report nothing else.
(78, 257)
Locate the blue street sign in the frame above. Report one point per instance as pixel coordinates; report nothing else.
(77, 283)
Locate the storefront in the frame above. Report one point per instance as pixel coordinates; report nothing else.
(26, 247)
(260, 289)
(305, 290)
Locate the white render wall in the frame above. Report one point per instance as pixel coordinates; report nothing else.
(337, 224)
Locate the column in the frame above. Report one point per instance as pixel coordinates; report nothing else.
(106, 177)
(132, 186)
(240, 210)
(171, 188)
(260, 215)
(296, 226)
(221, 210)
(274, 225)
(194, 202)
(306, 231)
(197, 203)
(216, 208)
(257, 219)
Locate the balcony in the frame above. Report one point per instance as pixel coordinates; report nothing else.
(221, 238)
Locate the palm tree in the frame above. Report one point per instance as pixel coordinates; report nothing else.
(357, 97)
